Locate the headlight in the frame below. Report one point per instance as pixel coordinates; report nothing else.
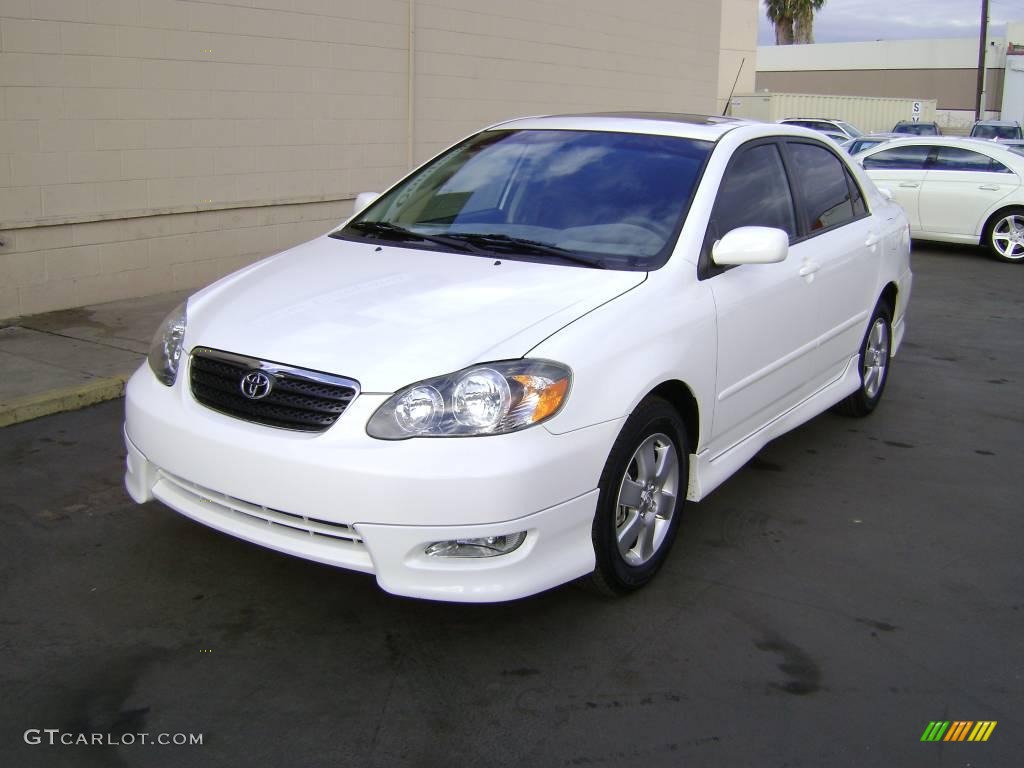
(489, 399)
(165, 351)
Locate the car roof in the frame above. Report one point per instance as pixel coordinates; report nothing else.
(703, 127)
(964, 142)
(1006, 123)
(916, 122)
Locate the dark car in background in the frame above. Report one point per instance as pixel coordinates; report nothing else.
(909, 127)
(997, 130)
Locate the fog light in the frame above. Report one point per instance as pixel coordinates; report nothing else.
(488, 546)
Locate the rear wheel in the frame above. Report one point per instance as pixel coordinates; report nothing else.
(642, 492)
(1005, 235)
(874, 361)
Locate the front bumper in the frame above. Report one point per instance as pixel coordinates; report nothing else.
(345, 499)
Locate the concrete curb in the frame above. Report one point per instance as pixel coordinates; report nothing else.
(34, 406)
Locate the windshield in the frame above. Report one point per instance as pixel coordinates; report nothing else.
(614, 200)
(996, 132)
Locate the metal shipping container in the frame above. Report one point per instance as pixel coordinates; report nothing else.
(868, 113)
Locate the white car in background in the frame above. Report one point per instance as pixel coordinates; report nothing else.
(828, 126)
(514, 368)
(955, 190)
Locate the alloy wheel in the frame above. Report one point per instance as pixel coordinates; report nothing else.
(876, 358)
(1008, 237)
(647, 499)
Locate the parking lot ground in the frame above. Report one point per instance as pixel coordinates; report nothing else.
(857, 580)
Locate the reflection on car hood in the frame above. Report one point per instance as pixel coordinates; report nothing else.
(393, 316)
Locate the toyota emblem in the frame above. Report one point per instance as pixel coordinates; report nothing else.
(256, 385)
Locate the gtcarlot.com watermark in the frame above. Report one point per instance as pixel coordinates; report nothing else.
(55, 737)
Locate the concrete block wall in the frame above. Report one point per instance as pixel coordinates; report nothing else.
(71, 265)
(124, 123)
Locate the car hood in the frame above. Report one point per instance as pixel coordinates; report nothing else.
(389, 316)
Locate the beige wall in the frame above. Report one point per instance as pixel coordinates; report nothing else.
(150, 145)
(738, 53)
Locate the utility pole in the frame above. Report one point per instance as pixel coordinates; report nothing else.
(982, 45)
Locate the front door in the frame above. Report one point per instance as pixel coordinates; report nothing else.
(765, 312)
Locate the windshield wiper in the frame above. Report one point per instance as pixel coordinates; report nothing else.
(387, 229)
(524, 245)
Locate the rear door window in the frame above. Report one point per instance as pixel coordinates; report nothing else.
(957, 159)
(824, 187)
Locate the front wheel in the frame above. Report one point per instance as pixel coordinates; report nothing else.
(1005, 236)
(642, 492)
(874, 362)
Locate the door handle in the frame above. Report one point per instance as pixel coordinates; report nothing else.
(809, 268)
(909, 184)
(990, 187)
(872, 240)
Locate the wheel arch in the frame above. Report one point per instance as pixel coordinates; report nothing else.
(888, 297)
(991, 219)
(681, 397)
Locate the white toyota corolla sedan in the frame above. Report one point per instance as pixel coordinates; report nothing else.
(513, 368)
(956, 190)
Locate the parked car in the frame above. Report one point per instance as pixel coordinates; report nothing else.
(824, 125)
(868, 140)
(515, 367)
(916, 129)
(955, 190)
(996, 129)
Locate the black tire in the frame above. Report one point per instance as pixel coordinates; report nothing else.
(654, 423)
(1001, 226)
(864, 401)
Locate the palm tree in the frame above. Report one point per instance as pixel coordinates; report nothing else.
(793, 20)
(780, 14)
(803, 20)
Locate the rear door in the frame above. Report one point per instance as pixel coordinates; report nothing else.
(842, 243)
(901, 170)
(961, 186)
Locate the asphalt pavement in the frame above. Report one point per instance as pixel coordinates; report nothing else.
(856, 581)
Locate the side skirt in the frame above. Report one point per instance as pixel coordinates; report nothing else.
(707, 473)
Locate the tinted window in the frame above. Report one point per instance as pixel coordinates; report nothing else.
(899, 158)
(957, 159)
(824, 188)
(754, 193)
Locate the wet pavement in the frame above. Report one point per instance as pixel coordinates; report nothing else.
(857, 580)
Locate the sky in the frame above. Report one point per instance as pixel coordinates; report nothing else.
(841, 21)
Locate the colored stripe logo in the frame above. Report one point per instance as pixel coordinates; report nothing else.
(958, 730)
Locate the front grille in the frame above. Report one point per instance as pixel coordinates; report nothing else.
(299, 399)
(229, 505)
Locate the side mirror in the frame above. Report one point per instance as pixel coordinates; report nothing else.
(751, 245)
(363, 199)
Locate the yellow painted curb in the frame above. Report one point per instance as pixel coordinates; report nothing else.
(59, 400)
